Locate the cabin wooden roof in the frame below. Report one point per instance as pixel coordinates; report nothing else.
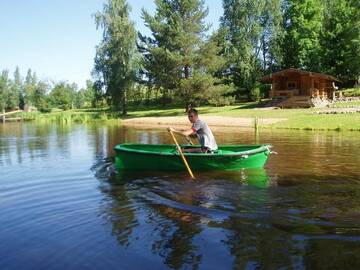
(269, 78)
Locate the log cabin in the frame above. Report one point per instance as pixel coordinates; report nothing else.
(292, 88)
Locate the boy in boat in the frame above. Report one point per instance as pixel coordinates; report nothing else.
(202, 131)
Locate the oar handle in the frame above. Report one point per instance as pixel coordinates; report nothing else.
(187, 138)
(182, 156)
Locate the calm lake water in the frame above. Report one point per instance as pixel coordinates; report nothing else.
(63, 206)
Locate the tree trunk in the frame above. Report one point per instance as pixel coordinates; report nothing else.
(187, 75)
(264, 52)
(148, 93)
(124, 107)
(187, 72)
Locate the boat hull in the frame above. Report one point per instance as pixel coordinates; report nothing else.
(166, 158)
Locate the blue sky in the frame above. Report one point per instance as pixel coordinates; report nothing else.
(57, 38)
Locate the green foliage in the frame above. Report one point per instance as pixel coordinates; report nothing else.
(272, 35)
(86, 97)
(255, 94)
(217, 95)
(253, 35)
(40, 99)
(116, 56)
(181, 64)
(62, 95)
(44, 96)
(341, 39)
(353, 92)
(178, 60)
(210, 58)
(323, 36)
(191, 90)
(4, 89)
(73, 116)
(303, 23)
(29, 88)
(13, 98)
(265, 90)
(267, 35)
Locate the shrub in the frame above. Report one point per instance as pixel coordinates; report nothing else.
(255, 94)
(354, 92)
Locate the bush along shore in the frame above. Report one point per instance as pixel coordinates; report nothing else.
(69, 116)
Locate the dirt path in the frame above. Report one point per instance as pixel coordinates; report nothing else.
(217, 121)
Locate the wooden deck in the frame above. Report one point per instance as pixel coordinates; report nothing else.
(4, 115)
(296, 102)
(299, 102)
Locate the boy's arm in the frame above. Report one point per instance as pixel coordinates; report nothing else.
(186, 132)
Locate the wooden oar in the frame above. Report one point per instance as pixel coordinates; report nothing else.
(189, 141)
(182, 156)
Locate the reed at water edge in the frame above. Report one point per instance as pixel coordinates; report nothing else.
(70, 117)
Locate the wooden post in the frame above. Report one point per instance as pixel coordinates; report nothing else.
(256, 127)
(256, 124)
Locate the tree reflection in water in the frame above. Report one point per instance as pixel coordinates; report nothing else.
(165, 231)
(168, 214)
(31, 140)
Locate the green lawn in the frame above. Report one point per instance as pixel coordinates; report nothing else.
(305, 119)
(322, 122)
(346, 104)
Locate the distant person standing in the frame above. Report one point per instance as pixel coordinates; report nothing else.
(202, 131)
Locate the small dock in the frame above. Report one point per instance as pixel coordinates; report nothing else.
(4, 116)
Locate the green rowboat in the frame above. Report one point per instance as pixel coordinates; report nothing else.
(165, 157)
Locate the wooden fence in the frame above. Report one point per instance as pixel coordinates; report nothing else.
(4, 114)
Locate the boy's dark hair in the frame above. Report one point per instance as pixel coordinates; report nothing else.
(192, 110)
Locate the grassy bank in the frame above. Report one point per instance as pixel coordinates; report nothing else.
(72, 116)
(346, 104)
(305, 119)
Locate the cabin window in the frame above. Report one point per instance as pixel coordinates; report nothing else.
(291, 85)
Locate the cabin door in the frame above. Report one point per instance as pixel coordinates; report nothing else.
(305, 86)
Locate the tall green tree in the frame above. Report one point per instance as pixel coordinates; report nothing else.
(116, 56)
(62, 95)
(272, 35)
(340, 39)
(171, 54)
(4, 89)
(29, 88)
(242, 19)
(15, 88)
(90, 94)
(213, 64)
(40, 98)
(86, 97)
(303, 22)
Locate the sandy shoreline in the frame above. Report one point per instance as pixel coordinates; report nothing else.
(215, 121)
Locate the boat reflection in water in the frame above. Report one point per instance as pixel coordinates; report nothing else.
(182, 222)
